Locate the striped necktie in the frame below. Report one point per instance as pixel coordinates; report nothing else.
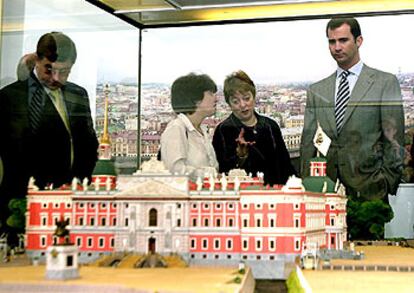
(36, 110)
(342, 98)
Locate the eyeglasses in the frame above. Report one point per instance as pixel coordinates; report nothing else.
(62, 71)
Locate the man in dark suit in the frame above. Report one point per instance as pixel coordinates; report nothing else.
(45, 124)
(355, 106)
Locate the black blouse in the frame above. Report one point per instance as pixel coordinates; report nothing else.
(268, 155)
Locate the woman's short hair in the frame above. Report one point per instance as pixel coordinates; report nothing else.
(238, 81)
(188, 90)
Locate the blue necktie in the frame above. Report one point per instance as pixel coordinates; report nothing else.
(342, 98)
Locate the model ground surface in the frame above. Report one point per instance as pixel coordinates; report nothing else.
(322, 281)
(143, 280)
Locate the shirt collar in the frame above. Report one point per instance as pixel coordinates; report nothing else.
(34, 82)
(186, 121)
(354, 70)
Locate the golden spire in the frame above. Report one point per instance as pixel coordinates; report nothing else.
(105, 138)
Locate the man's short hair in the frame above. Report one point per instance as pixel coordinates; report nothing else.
(188, 90)
(238, 81)
(56, 47)
(337, 22)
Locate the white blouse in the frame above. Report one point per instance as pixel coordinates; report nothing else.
(184, 150)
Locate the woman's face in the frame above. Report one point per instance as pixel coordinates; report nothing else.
(242, 106)
(207, 106)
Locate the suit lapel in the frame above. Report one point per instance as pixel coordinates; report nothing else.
(327, 93)
(363, 84)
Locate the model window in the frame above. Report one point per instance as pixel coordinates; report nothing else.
(178, 222)
(205, 243)
(68, 205)
(245, 206)
(245, 244)
(56, 205)
(193, 243)
(45, 205)
(80, 221)
(103, 222)
(258, 222)
(217, 244)
(259, 244)
(272, 223)
(229, 244)
(90, 241)
(231, 222)
(178, 206)
(297, 244)
(103, 206)
(101, 242)
(218, 206)
(81, 205)
(194, 206)
(245, 223)
(126, 222)
(231, 206)
(194, 222)
(79, 241)
(114, 222)
(206, 206)
(206, 222)
(112, 242)
(43, 241)
(153, 217)
(218, 222)
(297, 223)
(272, 244)
(44, 221)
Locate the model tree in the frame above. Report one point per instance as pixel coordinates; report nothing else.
(367, 219)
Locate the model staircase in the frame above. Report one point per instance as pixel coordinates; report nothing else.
(107, 261)
(152, 260)
(175, 261)
(130, 261)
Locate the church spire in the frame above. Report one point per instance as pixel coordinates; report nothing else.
(105, 139)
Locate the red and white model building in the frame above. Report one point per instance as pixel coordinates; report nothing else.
(212, 222)
(215, 222)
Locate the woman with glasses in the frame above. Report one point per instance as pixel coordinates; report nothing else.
(247, 140)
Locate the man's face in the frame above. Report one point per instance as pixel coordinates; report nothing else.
(52, 74)
(343, 47)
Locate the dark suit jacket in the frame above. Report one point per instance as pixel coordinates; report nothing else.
(46, 156)
(360, 155)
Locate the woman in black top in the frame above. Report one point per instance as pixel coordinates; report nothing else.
(247, 140)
